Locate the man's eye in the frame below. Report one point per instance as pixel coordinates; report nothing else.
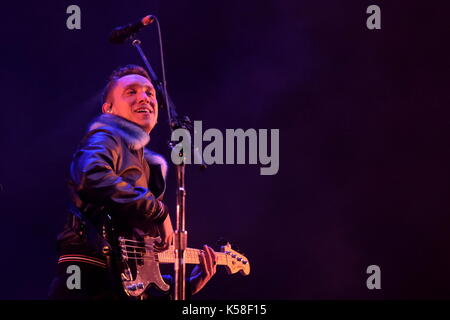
(149, 93)
(131, 91)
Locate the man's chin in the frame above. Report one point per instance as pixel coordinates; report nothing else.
(146, 125)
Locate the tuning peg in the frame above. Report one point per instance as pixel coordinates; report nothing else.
(237, 249)
(222, 242)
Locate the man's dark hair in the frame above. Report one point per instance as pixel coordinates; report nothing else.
(119, 73)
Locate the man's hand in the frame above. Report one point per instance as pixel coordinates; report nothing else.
(203, 273)
(166, 234)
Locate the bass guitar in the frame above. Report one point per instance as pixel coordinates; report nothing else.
(139, 263)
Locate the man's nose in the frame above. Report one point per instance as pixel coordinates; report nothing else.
(144, 97)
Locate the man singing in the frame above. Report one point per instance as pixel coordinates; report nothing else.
(114, 178)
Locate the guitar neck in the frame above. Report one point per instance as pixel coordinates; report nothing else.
(191, 256)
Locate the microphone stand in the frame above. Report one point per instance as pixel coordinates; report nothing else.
(175, 122)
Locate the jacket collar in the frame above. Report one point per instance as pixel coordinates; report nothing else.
(135, 137)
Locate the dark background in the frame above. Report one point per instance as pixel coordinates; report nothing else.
(363, 118)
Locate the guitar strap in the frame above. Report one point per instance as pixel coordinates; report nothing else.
(98, 240)
(94, 238)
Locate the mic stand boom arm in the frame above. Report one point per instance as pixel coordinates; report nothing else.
(180, 234)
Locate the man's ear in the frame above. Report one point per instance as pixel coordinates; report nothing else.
(107, 107)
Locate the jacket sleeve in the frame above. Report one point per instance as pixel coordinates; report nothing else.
(93, 173)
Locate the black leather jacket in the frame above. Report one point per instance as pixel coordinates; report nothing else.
(113, 177)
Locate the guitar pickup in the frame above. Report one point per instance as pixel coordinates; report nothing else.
(135, 287)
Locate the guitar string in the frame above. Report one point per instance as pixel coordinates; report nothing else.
(189, 251)
(149, 247)
(169, 255)
(146, 246)
(159, 260)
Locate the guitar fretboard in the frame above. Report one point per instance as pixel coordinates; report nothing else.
(191, 256)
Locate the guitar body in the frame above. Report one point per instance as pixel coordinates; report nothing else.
(139, 265)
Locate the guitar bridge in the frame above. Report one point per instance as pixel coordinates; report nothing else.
(140, 266)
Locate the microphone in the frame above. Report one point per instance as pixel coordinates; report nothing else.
(121, 34)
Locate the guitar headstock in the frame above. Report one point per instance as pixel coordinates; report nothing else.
(235, 261)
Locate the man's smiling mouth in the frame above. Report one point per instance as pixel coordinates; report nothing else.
(144, 110)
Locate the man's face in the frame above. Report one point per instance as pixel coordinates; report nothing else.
(133, 98)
